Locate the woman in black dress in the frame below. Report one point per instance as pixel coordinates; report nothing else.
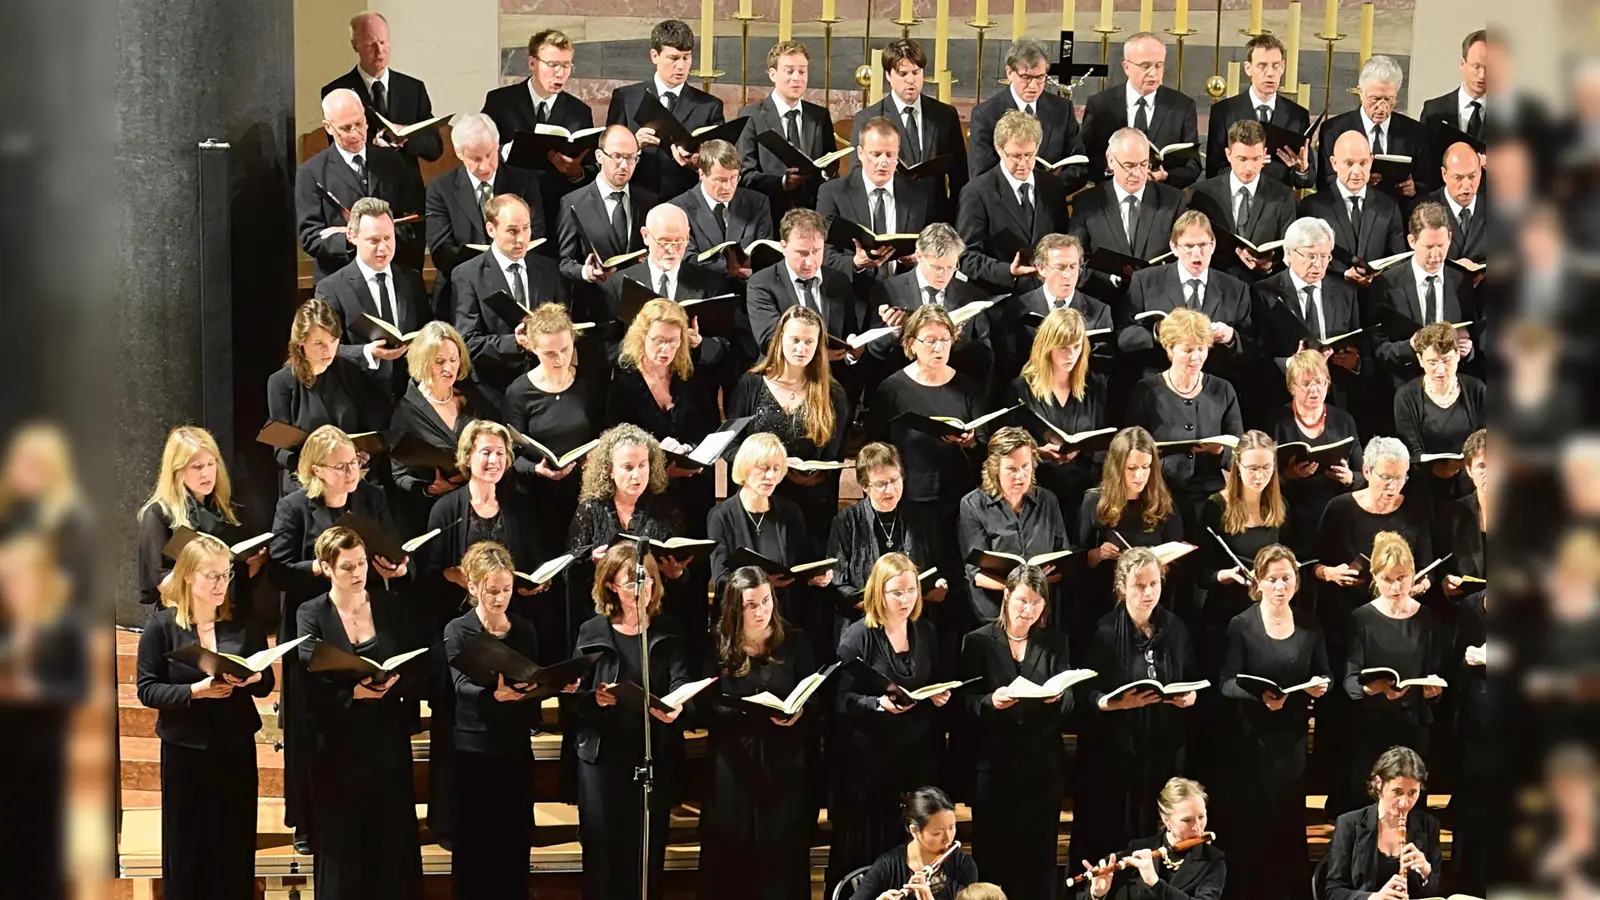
(1016, 812)
(1436, 412)
(427, 424)
(1372, 844)
(365, 823)
(317, 387)
(1394, 631)
(1309, 418)
(1199, 873)
(330, 470)
(1473, 804)
(930, 818)
(791, 394)
(207, 731)
(755, 834)
(1058, 386)
(492, 784)
(1137, 741)
(609, 738)
(1008, 514)
(192, 491)
(886, 749)
(1240, 520)
(1185, 404)
(1267, 756)
(1464, 523)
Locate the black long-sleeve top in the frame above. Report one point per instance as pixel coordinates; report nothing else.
(163, 685)
(613, 732)
(1460, 533)
(936, 471)
(345, 395)
(1118, 653)
(691, 416)
(1347, 531)
(1308, 497)
(1356, 868)
(1202, 875)
(779, 534)
(1026, 736)
(768, 759)
(461, 527)
(1169, 417)
(596, 522)
(1425, 427)
(989, 523)
(560, 421)
(1226, 600)
(1412, 646)
(861, 534)
(482, 723)
(1070, 478)
(752, 398)
(1092, 532)
(1296, 659)
(870, 729)
(296, 524)
(338, 717)
(890, 871)
(155, 530)
(415, 416)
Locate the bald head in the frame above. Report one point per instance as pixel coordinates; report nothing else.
(618, 155)
(1352, 160)
(345, 119)
(369, 38)
(666, 233)
(1463, 172)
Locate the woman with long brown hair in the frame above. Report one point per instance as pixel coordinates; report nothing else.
(1058, 385)
(1246, 515)
(1007, 514)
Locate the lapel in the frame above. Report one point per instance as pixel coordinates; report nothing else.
(855, 196)
(1117, 99)
(358, 289)
(701, 218)
(466, 205)
(1224, 198)
(333, 629)
(1213, 294)
(1008, 202)
(816, 130)
(739, 224)
(1112, 211)
(590, 212)
(929, 128)
(907, 200)
(441, 436)
(523, 114)
(341, 180)
(1341, 220)
(1408, 288)
(493, 278)
(1147, 217)
(1164, 113)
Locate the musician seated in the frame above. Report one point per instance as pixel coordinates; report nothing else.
(930, 866)
(1374, 845)
(1178, 864)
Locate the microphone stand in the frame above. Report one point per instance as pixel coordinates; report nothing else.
(644, 774)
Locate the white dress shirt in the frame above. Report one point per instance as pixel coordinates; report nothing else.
(504, 262)
(350, 158)
(1053, 303)
(605, 190)
(1122, 207)
(800, 295)
(784, 109)
(370, 276)
(1021, 103)
(1367, 125)
(367, 81)
(1434, 312)
(1464, 103)
(1183, 285)
(922, 290)
(1133, 97)
(1033, 188)
(662, 91)
(1455, 208)
(1271, 103)
(1316, 301)
(655, 279)
(900, 107)
(1234, 184)
(888, 201)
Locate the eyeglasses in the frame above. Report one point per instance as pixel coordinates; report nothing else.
(1439, 362)
(1379, 100)
(885, 484)
(1311, 385)
(555, 66)
(1020, 158)
(665, 343)
(347, 468)
(215, 579)
(937, 269)
(1025, 79)
(1142, 165)
(669, 245)
(1316, 259)
(1265, 469)
(1391, 479)
(1147, 66)
(1269, 66)
(908, 593)
(1187, 249)
(627, 587)
(1063, 269)
(934, 343)
(621, 159)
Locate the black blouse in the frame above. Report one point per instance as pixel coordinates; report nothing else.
(345, 395)
(1226, 600)
(861, 534)
(1169, 417)
(1346, 533)
(155, 530)
(1425, 427)
(1092, 533)
(482, 723)
(779, 534)
(163, 685)
(1412, 646)
(596, 523)
(690, 417)
(751, 397)
(1026, 736)
(1461, 535)
(560, 421)
(936, 471)
(1073, 417)
(296, 525)
(890, 871)
(613, 731)
(989, 523)
(1293, 660)
(1120, 653)
(1308, 497)
(1201, 875)
(871, 730)
(415, 416)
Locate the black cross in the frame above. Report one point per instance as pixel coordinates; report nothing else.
(1066, 70)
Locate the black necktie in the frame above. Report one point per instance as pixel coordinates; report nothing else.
(792, 128)
(1028, 109)
(1430, 302)
(1264, 113)
(1355, 220)
(540, 113)
(808, 293)
(1466, 222)
(385, 303)
(721, 212)
(665, 288)
(483, 194)
(619, 219)
(669, 102)
(912, 151)
(1241, 219)
(1027, 205)
(1377, 139)
(1192, 297)
(519, 290)
(933, 296)
(1475, 123)
(1309, 311)
(1141, 119)
(880, 212)
(380, 99)
(361, 172)
(1133, 219)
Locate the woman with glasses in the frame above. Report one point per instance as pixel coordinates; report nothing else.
(364, 834)
(1309, 418)
(1241, 519)
(1466, 521)
(1007, 514)
(1058, 386)
(1021, 762)
(1136, 742)
(208, 744)
(888, 744)
(929, 816)
(1279, 641)
(331, 475)
(1436, 412)
(607, 735)
(755, 834)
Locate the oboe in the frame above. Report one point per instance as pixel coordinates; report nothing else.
(1127, 862)
(927, 871)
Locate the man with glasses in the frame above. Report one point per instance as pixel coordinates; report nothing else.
(719, 210)
(1059, 258)
(1006, 210)
(1422, 291)
(1464, 108)
(1027, 69)
(802, 123)
(1129, 213)
(1264, 65)
(1166, 116)
(877, 198)
(603, 219)
(1388, 133)
(1327, 307)
(1188, 282)
(666, 272)
(932, 282)
(665, 168)
(541, 100)
(328, 184)
(1366, 223)
(1242, 201)
(927, 127)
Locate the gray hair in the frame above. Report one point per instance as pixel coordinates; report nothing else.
(1138, 36)
(1127, 133)
(473, 129)
(1382, 70)
(1385, 448)
(1305, 232)
(1025, 52)
(939, 239)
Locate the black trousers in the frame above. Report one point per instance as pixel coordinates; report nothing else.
(208, 822)
(610, 824)
(493, 801)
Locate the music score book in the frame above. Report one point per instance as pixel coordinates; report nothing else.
(530, 149)
(486, 659)
(327, 658)
(1075, 160)
(744, 556)
(218, 665)
(817, 465)
(1322, 454)
(552, 567)
(711, 446)
(1167, 691)
(760, 253)
(682, 549)
(182, 535)
(651, 114)
(844, 234)
(871, 681)
(1218, 440)
(797, 698)
(556, 460)
(405, 131)
(632, 695)
(1092, 441)
(1394, 167)
(1023, 689)
(1259, 686)
(942, 426)
(997, 561)
(795, 158)
(1384, 673)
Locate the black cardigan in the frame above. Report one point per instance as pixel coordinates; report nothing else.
(484, 724)
(164, 685)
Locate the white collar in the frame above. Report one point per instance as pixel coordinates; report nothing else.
(1367, 124)
(795, 276)
(898, 106)
(1050, 299)
(1271, 103)
(1184, 277)
(656, 273)
(783, 106)
(1006, 173)
(607, 190)
(711, 202)
(1418, 274)
(368, 272)
(922, 288)
(1300, 286)
(888, 185)
(474, 181)
(1456, 207)
(367, 80)
(504, 261)
(539, 98)
(662, 89)
(1133, 97)
(350, 158)
(1234, 184)
(1344, 192)
(1465, 100)
(1022, 104)
(1123, 195)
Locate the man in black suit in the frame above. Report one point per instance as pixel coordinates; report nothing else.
(664, 272)
(1009, 208)
(875, 197)
(666, 170)
(1027, 67)
(1387, 132)
(932, 282)
(804, 124)
(530, 279)
(1245, 202)
(1166, 116)
(802, 279)
(328, 184)
(374, 285)
(1327, 307)
(1261, 101)
(541, 100)
(399, 98)
(1463, 108)
(602, 220)
(1059, 258)
(719, 210)
(1378, 229)
(1422, 291)
(927, 127)
(1463, 175)
(1105, 217)
(454, 207)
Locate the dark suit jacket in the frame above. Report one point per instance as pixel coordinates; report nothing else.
(991, 225)
(454, 220)
(1446, 110)
(771, 291)
(693, 282)
(1474, 244)
(408, 104)
(658, 171)
(1404, 136)
(511, 108)
(748, 216)
(1353, 857)
(1174, 122)
(387, 179)
(1396, 288)
(1341, 311)
(1225, 299)
(1017, 330)
(347, 292)
(1285, 113)
(496, 358)
(583, 221)
(847, 197)
(1061, 135)
(1271, 212)
(761, 170)
(1097, 221)
(940, 127)
(973, 353)
(1383, 230)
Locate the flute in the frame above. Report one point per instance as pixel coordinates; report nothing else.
(927, 871)
(1127, 862)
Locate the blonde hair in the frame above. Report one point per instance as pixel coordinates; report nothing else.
(1177, 790)
(1303, 364)
(1235, 517)
(483, 559)
(317, 448)
(314, 313)
(332, 542)
(1132, 560)
(1060, 329)
(1265, 557)
(923, 317)
(1018, 126)
(38, 552)
(170, 495)
(48, 443)
(1005, 442)
(597, 483)
(1114, 497)
(817, 409)
(622, 557)
(1185, 324)
(419, 358)
(981, 890)
(1390, 551)
(889, 565)
(547, 318)
(666, 312)
(176, 594)
(758, 448)
(475, 429)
